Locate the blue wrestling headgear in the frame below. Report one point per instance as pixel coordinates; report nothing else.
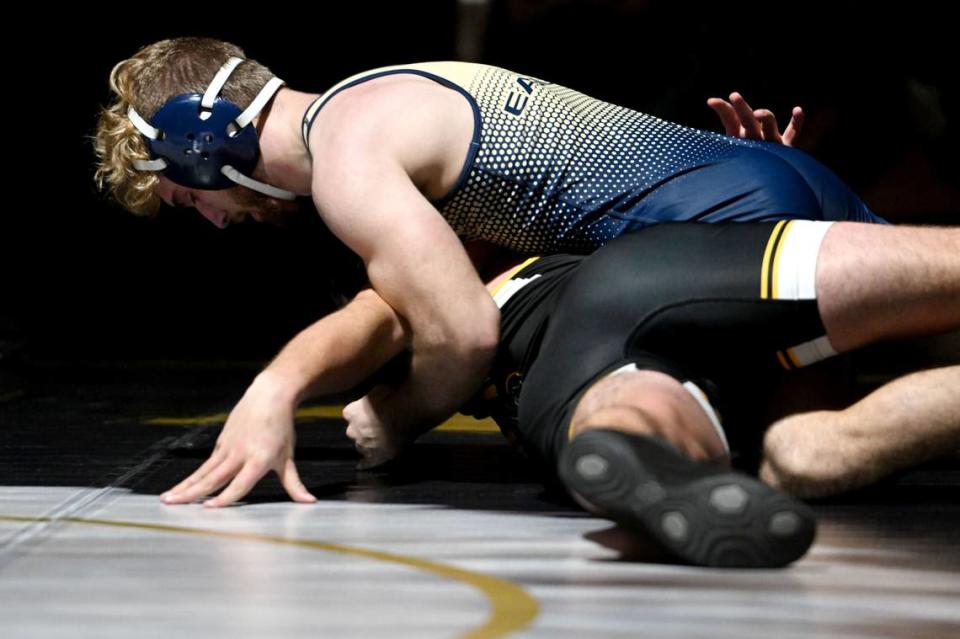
(206, 142)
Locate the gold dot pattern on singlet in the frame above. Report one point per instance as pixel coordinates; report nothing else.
(551, 178)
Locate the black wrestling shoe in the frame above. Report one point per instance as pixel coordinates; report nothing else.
(705, 514)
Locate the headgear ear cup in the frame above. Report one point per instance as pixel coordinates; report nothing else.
(207, 142)
(195, 149)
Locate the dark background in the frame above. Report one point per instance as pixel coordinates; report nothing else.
(86, 282)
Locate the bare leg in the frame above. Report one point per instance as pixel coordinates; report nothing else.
(873, 283)
(879, 282)
(910, 420)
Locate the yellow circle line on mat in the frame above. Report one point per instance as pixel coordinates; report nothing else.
(511, 607)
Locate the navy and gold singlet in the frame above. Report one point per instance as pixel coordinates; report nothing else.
(553, 170)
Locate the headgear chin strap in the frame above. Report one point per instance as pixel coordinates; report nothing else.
(206, 142)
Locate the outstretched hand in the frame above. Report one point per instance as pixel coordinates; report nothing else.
(742, 121)
(258, 437)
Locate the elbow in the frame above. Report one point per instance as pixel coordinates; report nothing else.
(481, 341)
(469, 336)
(476, 336)
(786, 464)
(484, 353)
(796, 464)
(488, 333)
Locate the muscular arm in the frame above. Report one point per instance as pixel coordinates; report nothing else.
(339, 351)
(414, 259)
(908, 421)
(332, 354)
(907, 283)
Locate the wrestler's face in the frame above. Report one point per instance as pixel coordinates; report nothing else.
(226, 206)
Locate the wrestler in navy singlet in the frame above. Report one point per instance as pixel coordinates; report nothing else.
(553, 170)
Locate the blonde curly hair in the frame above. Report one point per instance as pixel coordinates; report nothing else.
(156, 73)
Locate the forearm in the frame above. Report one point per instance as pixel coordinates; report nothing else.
(906, 422)
(454, 326)
(439, 383)
(337, 352)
